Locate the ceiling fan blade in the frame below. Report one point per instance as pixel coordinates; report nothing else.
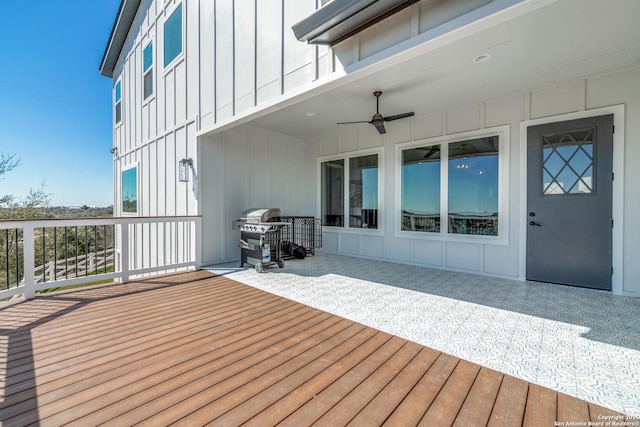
(348, 123)
(379, 124)
(398, 116)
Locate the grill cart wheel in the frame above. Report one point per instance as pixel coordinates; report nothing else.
(281, 263)
(259, 267)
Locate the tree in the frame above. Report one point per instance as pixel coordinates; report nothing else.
(70, 250)
(32, 206)
(8, 163)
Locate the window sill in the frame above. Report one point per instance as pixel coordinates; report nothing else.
(172, 65)
(149, 99)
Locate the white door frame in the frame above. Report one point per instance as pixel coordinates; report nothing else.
(618, 112)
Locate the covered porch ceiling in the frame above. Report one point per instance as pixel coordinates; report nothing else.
(531, 43)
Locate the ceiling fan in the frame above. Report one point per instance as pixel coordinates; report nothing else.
(378, 119)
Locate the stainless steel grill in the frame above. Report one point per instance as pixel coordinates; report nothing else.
(255, 225)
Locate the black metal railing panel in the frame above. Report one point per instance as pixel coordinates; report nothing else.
(40, 254)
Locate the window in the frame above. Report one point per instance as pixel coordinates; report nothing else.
(130, 190)
(473, 186)
(454, 187)
(363, 192)
(420, 195)
(118, 102)
(332, 193)
(361, 188)
(173, 36)
(147, 71)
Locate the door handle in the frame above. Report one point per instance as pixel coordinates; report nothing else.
(534, 223)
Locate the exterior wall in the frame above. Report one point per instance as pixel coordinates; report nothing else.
(250, 55)
(232, 62)
(250, 168)
(240, 56)
(503, 259)
(156, 133)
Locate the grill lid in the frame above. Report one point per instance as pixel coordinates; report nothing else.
(259, 215)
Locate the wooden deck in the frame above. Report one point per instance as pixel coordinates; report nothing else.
(195, 349)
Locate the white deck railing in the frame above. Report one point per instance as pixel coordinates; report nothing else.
(127, 247)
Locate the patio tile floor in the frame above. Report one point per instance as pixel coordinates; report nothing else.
(581, 342)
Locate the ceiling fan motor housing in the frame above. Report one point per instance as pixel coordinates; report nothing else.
(378, 119)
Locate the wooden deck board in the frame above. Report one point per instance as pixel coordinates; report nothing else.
(445, 408)
(195, 348)
(326, 400)
(541, 409)
(510, 403)
(476, 409)
(386, 402)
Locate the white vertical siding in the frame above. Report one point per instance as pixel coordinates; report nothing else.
(207, 57)
(269, 49)
(244, 54)
(224, 67)
(298, 58)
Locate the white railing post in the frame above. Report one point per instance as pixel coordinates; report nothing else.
(124, 252)
(28, 246)
(198, 243)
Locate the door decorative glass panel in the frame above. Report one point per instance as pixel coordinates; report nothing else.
(568, 162)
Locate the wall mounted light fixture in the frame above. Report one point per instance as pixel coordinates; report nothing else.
(185, 166)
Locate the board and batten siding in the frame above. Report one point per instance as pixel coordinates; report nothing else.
(237, 55)
(595, 94)
(249, 167)
(157, 132)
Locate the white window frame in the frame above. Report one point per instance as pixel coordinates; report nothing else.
(504, 139)
(116, 102)
(345, 208)
(135, 166)
(150, 70)
(179, 56)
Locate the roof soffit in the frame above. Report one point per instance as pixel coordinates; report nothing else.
(124, 18)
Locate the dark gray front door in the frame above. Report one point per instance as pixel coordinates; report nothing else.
(569, 186)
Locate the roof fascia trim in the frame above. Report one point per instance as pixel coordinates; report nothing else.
(340, 19)
(124, 18)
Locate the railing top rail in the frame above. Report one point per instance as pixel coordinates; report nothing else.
(70, 222)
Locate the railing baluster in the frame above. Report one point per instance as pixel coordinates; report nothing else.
(66, 253)
(55, 253)
(76, 239)
(105, 247)
(86, 252)
(44, 256)
(17, 258)
(6, 246)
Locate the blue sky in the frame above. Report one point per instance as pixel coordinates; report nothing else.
(55, 107)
